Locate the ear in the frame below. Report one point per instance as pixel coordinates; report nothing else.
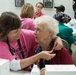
(51, 34)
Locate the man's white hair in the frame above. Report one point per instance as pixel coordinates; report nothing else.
(48, 22)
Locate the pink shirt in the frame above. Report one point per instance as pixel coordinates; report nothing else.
(28, 45)
(27, 23)
(38, 14)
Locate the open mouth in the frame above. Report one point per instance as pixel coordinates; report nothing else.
(36, 37)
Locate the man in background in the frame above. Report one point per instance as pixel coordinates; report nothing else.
(60, 13)
(60, 8)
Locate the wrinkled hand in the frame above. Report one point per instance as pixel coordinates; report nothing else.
(58, 44)
(42, 71)
(47, 55)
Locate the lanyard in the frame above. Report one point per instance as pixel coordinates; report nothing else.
(12, 50)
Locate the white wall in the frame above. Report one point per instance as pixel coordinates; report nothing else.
(4, 5)
(9, 5)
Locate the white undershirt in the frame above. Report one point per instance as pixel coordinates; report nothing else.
(15, 65)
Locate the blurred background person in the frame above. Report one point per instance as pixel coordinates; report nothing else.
(26, 16)
(60, 8)
(65, 32)
(38, 10)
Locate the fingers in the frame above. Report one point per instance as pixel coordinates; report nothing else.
(55, 45)
(53, 48)
(51, 56)
(58, 44)
(58, 47)
(47, 55)
(50, 51)
(42, 71)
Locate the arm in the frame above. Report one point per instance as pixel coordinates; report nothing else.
(58, 43)
(42, 55)
(23, 63)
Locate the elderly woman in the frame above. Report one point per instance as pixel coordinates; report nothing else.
(45, 29)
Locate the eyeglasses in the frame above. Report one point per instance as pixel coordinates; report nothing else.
(39, 7)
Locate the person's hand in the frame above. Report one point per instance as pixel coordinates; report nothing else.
(47, 55)
(58, 44)
(42, 71)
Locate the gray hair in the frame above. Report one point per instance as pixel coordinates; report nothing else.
(49, 23)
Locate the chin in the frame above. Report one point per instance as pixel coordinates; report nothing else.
(16, 38)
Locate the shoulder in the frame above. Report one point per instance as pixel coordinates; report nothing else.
(43, 13)
(63, 53)
(29, 19)
(65, 28)
(27, 34)
(3, 45)
(65, 56)
(4, 51)
(68, 29)
(26, 19)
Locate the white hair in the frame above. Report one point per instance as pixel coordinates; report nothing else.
(48, 22)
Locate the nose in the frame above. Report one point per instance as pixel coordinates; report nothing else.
(19, 30)
(35, 31)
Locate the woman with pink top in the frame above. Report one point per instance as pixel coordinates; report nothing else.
(18, 45)
(38, 10)
(26, 16)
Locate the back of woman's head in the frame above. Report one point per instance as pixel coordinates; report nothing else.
(27, 11)
(8, 21)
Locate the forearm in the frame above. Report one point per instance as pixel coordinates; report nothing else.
(30, 60)
(57, 43)
(16, 65)
(23, 63)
